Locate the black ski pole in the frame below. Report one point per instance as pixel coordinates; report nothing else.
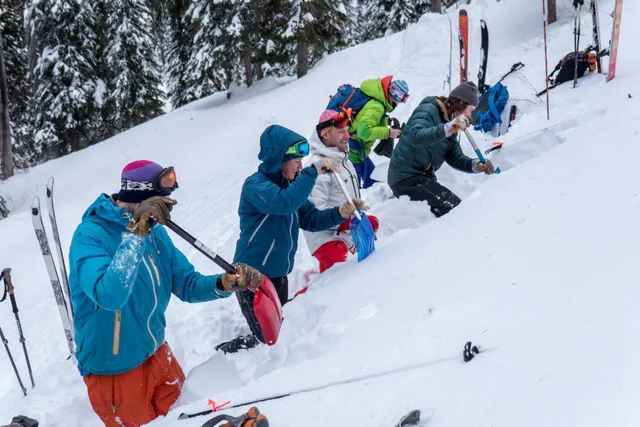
(201, 247)
(515, 67)
(6, 274)
(15, 369)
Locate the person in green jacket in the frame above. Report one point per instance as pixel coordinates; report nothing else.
(429, 140)
(371, 122)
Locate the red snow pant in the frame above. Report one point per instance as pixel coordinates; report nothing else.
(336, 251)
(331, 253)
(139, 396)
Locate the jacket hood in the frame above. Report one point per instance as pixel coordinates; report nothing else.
(317, 147)
(274, 142)
(375, 88)
(104, 208)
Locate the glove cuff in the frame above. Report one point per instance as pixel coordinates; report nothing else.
(474, 166)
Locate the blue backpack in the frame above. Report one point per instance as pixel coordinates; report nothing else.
(490, 108)
(348, 98)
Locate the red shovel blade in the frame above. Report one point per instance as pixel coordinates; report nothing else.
(268, 311)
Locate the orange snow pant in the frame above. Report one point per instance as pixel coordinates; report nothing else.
(139, 396)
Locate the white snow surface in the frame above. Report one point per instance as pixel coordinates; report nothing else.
(537, 266)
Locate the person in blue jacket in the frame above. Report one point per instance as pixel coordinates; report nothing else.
(123, 273)
(273, 207)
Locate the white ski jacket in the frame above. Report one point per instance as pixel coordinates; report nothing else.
(327, 193)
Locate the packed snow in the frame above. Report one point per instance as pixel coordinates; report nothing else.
(536, 266)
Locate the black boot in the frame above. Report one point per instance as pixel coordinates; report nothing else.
(243, 342)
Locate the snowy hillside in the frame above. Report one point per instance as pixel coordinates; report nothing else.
(537, 265)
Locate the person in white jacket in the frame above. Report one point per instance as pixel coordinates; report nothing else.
(331, 140)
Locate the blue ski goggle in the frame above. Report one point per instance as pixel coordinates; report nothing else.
(298, 149)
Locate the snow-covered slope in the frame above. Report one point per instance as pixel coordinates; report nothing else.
(537, 265)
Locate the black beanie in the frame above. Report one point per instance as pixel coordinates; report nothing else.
(467, 92)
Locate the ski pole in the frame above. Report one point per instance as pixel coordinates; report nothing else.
(546, 60)
(423, 364)
(6, 274)
(515, 67)
(476, 149)
(15, 369)
(201, 247)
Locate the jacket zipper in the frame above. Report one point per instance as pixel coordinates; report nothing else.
(356, 189)
(266, 257)
(116, 332)
(256, 230)
(291, 239)
(155, 298)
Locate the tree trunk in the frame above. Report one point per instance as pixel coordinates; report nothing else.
(303, 55)
(248, 69)
(436, 6)
(5, 126)
(553, 15)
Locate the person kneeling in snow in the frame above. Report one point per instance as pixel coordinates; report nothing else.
(429, 139)
(331, 141)
(371, 122)
(273, 206)
(123, 272)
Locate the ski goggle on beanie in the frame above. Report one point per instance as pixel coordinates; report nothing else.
(143, 179)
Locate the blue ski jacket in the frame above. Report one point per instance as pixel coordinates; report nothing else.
(121, 284)
(272, 210)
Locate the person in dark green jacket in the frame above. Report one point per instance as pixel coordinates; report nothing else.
(430, 139)
(371, 122)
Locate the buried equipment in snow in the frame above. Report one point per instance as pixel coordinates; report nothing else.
(252, 418)
(266, 303)
(469, 351)
(360, 227)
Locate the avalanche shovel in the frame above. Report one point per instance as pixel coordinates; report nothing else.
(476, 149)
(360, 227)
(266, 303)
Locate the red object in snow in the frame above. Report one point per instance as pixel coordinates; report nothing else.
(268, 311)
(615, 39)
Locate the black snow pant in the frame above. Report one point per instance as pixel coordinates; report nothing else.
(426, 187)
(245, 299)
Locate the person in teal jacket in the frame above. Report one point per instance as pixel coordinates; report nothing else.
(123, 272)
(429, 140)
(371, 122)
(273, 207)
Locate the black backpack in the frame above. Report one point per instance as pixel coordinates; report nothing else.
(566, 67)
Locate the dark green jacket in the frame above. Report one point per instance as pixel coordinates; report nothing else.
(423, 146)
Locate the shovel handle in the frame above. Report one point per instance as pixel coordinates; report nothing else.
(344, 191)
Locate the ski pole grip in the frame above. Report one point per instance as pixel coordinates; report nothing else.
(6, 273)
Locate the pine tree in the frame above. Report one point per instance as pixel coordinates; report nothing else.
(131, 56)
(262, 39)
(105, 122)
(390, 16)
(64, 76)
(318, 28)
(180, 47)
(214, 59)
(15, 54)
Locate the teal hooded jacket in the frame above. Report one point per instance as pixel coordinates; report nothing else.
(121, 284)
(272, 210)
